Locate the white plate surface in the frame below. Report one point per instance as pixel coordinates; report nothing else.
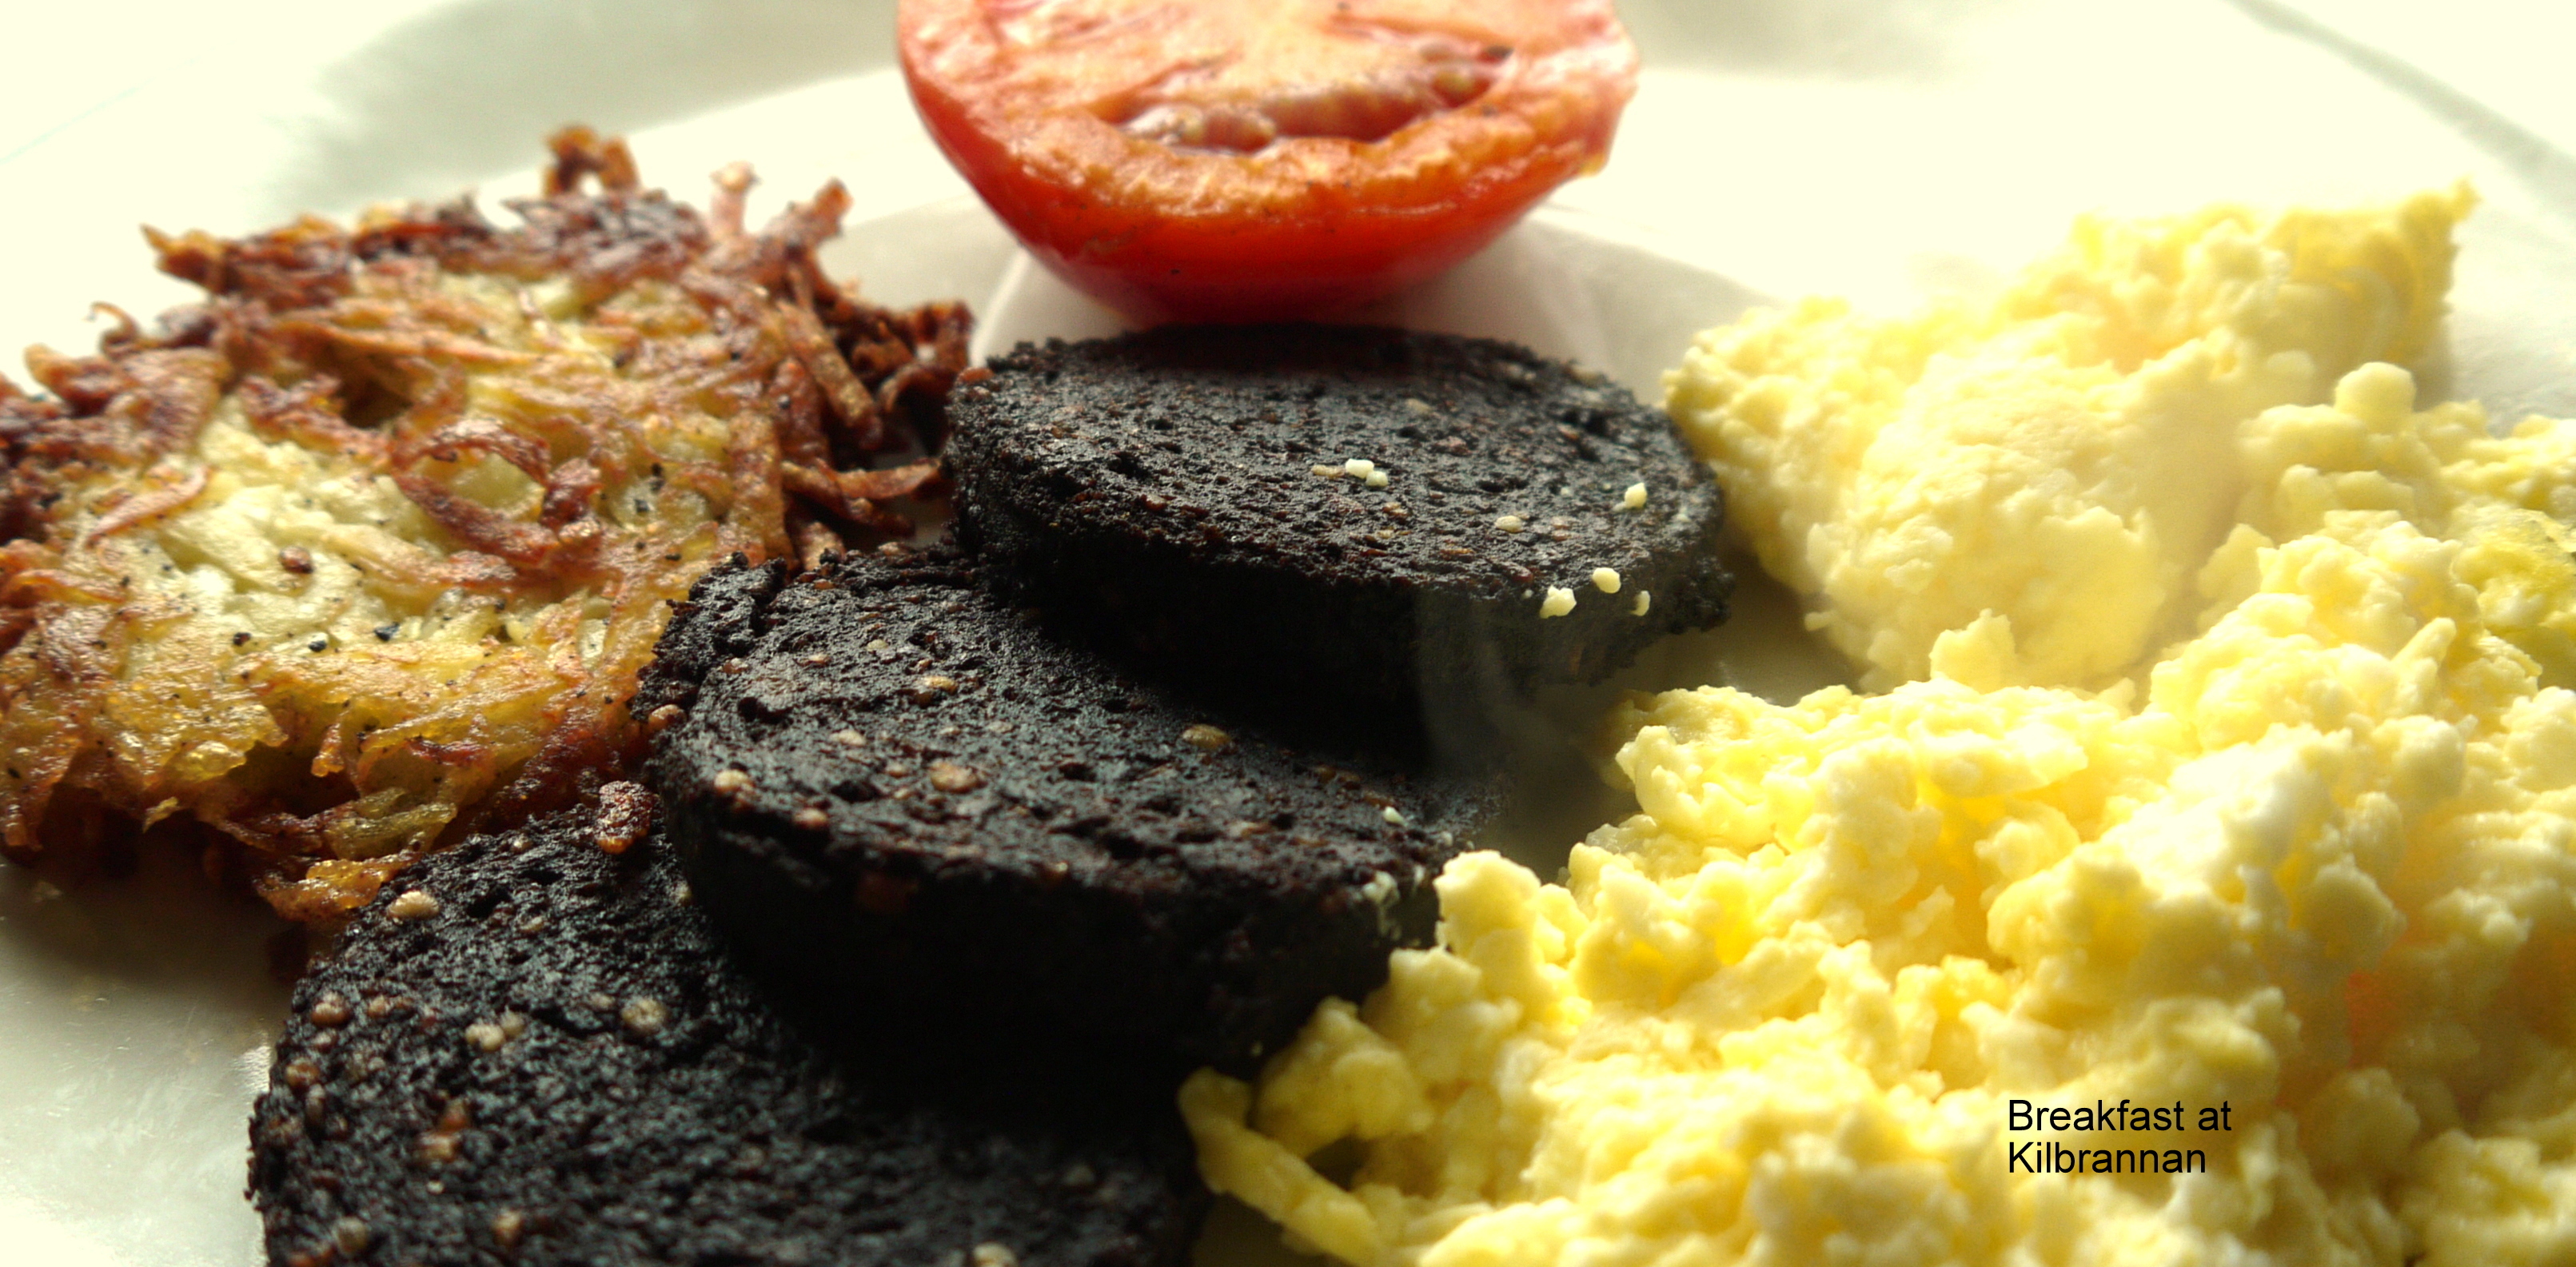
(1870, 147)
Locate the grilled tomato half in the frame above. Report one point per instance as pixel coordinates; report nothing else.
(1252, 159)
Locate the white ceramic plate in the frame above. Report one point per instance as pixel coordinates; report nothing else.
(1869, 147)
(138, 1013)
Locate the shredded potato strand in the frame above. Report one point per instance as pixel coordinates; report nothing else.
(365, 552)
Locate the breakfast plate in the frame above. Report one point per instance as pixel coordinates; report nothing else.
(1850, 147)
(143, 1008)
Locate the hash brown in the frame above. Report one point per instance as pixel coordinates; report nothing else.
(363, 553)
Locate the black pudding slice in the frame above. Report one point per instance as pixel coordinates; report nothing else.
(528, 1050)
(1343, 517)
(890, 784)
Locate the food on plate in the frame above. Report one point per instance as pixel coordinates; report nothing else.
(899, 791)
(1363, 523)
(1241, 159)
(2507, 500)
(2051, 459)
(364, 553)
(530, 1049)
(1881, 977)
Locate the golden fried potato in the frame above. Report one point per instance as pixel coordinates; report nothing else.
(365, 552)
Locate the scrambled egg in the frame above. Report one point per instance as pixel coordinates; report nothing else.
(2313, 866)
(2052, 457)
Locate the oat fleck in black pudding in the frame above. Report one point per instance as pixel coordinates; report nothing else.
(532, 1050)
(897, 788)
(1359, 519)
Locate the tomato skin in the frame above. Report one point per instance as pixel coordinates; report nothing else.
(1303, 226)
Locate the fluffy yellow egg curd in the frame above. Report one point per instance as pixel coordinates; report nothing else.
(2305, 877)
(2056, 456)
